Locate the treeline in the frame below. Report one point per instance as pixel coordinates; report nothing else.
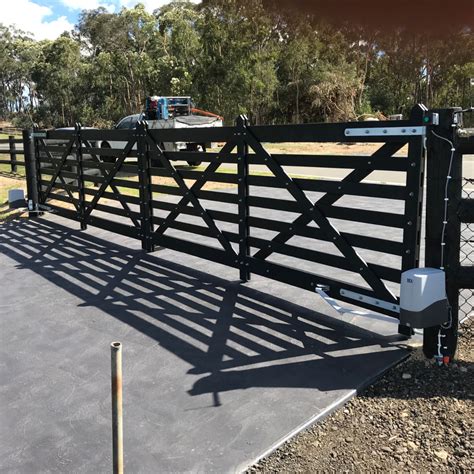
(232, 57)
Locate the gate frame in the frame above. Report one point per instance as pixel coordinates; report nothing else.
(244, 137)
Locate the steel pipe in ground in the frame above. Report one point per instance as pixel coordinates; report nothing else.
(117, 420)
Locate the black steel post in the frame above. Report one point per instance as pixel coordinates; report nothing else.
(30, 171)
(11, 141)
(144, 179)
(80, 178)
(243, 193)
(38, 155)
(444, 171)
(414, 201)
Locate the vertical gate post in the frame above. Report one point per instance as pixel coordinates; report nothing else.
(243, 193)
(80, 177)
(11, 141)
(414, 202)
(41, 198)
(30, 171)
(442, 174)
(144, 179)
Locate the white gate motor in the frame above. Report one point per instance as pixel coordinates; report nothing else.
(423, 301)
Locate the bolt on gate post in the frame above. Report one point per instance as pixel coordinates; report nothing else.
(144, 180)
(443, 235)
(80, 177)
(243, 193)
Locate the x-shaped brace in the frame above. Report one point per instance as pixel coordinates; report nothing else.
(109, 177)
(314, 213)
(57, 171)
(114, 188)
(189, 196)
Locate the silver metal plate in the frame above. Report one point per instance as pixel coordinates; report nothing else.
(385, 132)
(375, 302)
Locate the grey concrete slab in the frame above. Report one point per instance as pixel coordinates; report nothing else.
(216, 373)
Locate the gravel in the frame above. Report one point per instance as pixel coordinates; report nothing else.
(418, 417)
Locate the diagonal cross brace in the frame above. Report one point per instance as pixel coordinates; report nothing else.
(198, 184)
(58, 175)
(60, 165)
(109, 178)
(114, 188)
(315, 214)
(387, 150)
(192, 198)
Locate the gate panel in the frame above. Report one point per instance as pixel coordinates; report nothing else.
(188, 218)
(339, 264)
(76, 182)
(348, 235)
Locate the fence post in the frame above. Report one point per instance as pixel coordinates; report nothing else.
(439, 167)
(30, 171)
(80, 177)
(144, 181)
(11, 140)
(243, 193)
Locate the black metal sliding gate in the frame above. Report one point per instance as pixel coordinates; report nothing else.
(252, 206)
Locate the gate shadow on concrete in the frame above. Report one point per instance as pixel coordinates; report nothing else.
(234, 336)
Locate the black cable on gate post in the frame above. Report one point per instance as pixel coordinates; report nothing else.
(80, 177)
(243, 193)
(144, 180)
(30, 171)
(443, 186)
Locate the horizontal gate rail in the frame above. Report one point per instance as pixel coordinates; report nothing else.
(330, 132)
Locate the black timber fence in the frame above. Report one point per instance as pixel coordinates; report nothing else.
(261, 210)
(11, 153)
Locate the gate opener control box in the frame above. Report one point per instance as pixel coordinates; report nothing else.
(423, 301)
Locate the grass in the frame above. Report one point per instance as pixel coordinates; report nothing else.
(7, 170)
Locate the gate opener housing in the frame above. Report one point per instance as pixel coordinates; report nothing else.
(423, 301)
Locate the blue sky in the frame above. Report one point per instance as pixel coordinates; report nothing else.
(49, 18)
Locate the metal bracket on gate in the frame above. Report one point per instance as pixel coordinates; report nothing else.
(385, 132)
(369, 300)
(322, 289)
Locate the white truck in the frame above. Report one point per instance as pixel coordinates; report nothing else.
(168, 112)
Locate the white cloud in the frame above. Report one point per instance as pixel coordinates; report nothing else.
(28, 16)
(88, 4)
(32, 18)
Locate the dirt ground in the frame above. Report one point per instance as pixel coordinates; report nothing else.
(417, 418)
(327, 148)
